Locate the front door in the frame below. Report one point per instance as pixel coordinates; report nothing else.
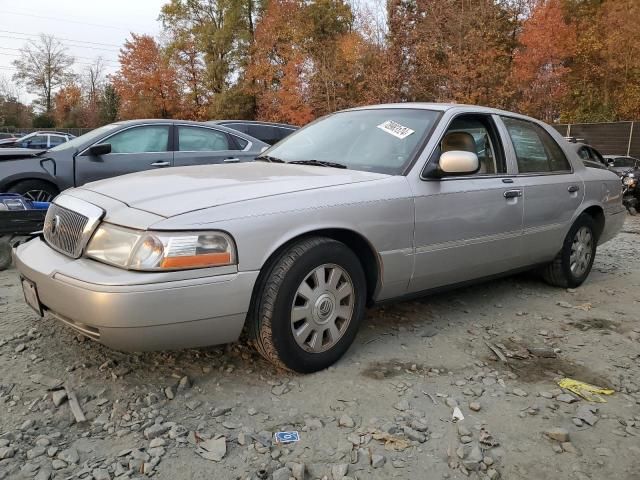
(205, 145)
(552, 191)
(134, 149)
(467, 227)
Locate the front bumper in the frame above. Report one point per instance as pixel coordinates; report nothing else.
(122, 310)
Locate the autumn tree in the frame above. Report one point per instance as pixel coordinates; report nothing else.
(69, 106)
(109, 104)
(43, 66)
(146, 82)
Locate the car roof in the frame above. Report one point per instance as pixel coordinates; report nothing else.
(254, 122)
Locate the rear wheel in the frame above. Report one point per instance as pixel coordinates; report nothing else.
(572, 265)
(35, 190)
(308, 308)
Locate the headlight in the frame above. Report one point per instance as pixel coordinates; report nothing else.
(147, 250)
(629, 180)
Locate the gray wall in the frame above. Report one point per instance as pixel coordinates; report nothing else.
(615, 138)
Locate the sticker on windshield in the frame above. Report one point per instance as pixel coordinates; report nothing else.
(395, 129)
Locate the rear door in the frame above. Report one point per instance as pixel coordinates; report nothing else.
(196, 145)
(552, 190)
(137, 148)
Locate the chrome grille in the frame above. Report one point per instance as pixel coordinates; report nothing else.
(64, 229)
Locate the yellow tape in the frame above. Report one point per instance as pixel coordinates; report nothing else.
(585, 390)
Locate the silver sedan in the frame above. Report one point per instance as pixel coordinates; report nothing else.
(359, 207)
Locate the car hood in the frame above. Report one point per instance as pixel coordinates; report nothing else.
(174, 191)
(13, 153)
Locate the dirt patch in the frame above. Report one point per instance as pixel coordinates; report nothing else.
(595, 324)
(393, 368)
(536, 369)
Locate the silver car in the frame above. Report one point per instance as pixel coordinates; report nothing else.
(359, 207)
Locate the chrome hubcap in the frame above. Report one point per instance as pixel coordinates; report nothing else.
(322, 308)
(38, 196)
(581, 251)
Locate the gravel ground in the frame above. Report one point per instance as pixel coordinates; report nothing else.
(384, 411)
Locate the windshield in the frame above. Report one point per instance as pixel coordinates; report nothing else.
(377, 140)
(86, 138)
(624, 162)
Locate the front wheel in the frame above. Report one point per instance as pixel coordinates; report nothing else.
(308, 307)
(35, 190)
(573, 263)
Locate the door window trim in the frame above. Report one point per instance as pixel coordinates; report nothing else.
(497, 132)
(102, 140)
(513, 149)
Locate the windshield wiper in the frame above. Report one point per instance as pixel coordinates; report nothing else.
(268, 158)
(319, 163)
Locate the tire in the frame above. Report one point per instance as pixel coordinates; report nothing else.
(566, 272)
(290, 297)
(5, 254)
(36, 190)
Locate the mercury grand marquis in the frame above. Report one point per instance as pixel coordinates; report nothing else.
(359, 207)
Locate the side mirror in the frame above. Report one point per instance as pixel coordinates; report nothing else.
(611, 164)
(457, 162)
(99, 149)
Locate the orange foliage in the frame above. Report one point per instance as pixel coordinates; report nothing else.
(146, 82)
(68, 106)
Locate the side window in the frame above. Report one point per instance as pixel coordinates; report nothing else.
(536, 150)
(476, 134)
(597, 157)
(37, 141)
(241, 142)
(583, 153)
(148, 138)
(265, 133)
(56, 140)
(241, 127)
(196, 139)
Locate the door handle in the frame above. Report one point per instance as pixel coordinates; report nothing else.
(231, 160)
(573, 188)
(161, 164)
(512, 193)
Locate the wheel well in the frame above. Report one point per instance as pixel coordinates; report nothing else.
(20, 180)
(597, 214)
(356, 242)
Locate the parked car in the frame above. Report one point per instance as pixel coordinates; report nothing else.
(622, 163)
(363, 206)
(119, 148)
(7, 136)
(590, 156)
(268, 132)
(38, 140)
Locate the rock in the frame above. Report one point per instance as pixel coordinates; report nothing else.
(603, 452)
(281, 474)
(43, 474)
(568, 447)
(219, 411)
(214, 449)
(451, 402)
(313, 423)
(519, 392)
(586, 413)
(230, 425)
(156, 451)
(577, 422)
(7, 452)
(157, 442)
(378, 461)
(297, 470)
(69, 455)
(566, 398)
(27, 424)
(414, 435)
(547, 395)
(35, 452)
(155, 430)
(21, 347)
(193, 404)
(169, 393)
(559, 434)
(58, 464)
(472, 460)
(402, 405)
(475, 406)
(346, 421)
(184, 384)
(463, 431)
(419, 425)
(100, 474)
(493, 474)
(339, 471)
(252, 411)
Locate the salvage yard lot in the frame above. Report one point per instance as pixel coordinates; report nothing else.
(383, 411)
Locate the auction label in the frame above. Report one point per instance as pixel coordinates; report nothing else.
(395, 129)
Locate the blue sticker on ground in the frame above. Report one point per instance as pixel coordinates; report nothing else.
(286, 437)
